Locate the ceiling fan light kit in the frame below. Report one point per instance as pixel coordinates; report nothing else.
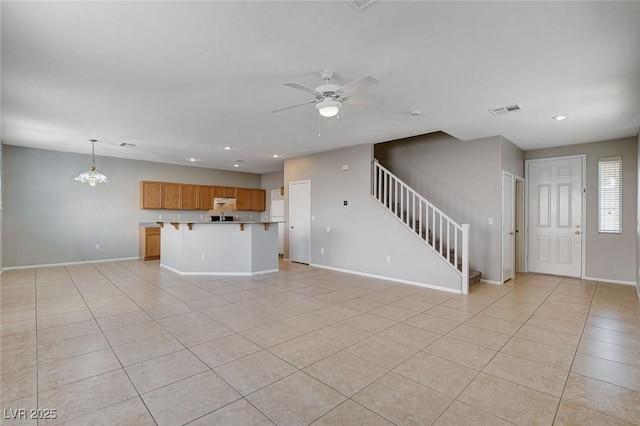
(328, 107)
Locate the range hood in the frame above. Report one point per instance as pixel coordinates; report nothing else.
(224, 200)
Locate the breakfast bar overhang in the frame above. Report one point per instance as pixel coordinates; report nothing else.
(219, 248)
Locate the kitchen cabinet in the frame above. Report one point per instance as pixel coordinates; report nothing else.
(150, 195)
(171, 196)
(243, 199)
(183, 196)
(248, 199)
(224, 192)
(205, 197)
(258, 200)
(149, 243)
(188, 197)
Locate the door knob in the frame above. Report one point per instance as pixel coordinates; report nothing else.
(292, 227)
(512, 233)
(578, 232)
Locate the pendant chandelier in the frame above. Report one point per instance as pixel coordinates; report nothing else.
(92, 177)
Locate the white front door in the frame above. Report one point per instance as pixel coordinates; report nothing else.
(508, 226)
(555, 216)
(300, 221)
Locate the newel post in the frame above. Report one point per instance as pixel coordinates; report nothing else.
(465, 258)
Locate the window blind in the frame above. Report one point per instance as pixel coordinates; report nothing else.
(610, 195)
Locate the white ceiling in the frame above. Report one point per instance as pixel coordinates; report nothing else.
(184, 79)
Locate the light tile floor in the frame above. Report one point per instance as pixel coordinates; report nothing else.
(129, 343)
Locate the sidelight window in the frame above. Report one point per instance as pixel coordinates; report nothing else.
(610, 195)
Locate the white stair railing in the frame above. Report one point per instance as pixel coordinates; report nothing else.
(438, 231)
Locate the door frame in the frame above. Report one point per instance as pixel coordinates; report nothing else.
(511, 176)
(517, 224)
(583, 209)
(291, 183)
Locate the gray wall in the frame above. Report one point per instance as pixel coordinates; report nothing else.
(49, 218)
(464, 180)
(511, 157)
(271, 181)
(1, 209)
(608, 256)
(362, 234)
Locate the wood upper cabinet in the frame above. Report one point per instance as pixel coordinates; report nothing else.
(205, 197)
(150, 195)
(243, 199)
(258, 200)
(188, 197)
(182, 196)
(224, 192)
(250, 199)
(171, 196)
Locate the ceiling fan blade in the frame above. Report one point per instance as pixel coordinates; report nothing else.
(357, 84)
(295, 105)
(362, 101)
(303, 88)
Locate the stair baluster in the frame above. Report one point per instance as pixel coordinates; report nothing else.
(448, 239)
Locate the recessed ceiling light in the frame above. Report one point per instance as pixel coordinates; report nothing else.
(559, 117)
(227, 148)
(193, 159)
(415, 113)
(275, 156)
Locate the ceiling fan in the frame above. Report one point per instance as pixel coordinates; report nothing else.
(330, 97)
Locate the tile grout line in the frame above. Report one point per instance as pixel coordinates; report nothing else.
(481, 370)
(575, 353)
(305, 312)
(110, 347)
(573, 360)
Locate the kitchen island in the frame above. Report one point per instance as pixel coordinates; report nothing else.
(219, 248)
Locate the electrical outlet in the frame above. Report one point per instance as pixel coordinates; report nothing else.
(201, 216)
(97, 246)
(322, 250)
(159, 216)
(250, 216)
(388, 259)
(179, 216)
(490, 221)
(203, 256)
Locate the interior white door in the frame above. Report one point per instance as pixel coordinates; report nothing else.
(555, 216)
(508, 226)
(300, 221)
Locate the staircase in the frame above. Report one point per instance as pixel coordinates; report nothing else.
(435, 229)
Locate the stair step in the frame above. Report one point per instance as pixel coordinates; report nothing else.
(474, 277)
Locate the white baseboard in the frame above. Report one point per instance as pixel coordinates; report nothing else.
(83, 262)
(381, 277)
(234, 274)
(490, 282)
(604, 280)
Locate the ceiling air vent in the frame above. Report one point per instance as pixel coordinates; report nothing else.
(506, 109)
(360, 5)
